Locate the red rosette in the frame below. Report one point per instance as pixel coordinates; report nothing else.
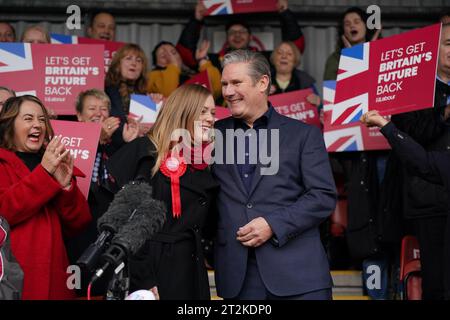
(174, 167)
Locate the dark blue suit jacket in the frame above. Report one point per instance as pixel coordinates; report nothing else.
(294, 202)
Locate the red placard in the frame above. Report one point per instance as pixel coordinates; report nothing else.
(391, 75)
(223, 7)
(56, 74)
(294, 105)
(202, 79)
(110, 46)
(81, 138)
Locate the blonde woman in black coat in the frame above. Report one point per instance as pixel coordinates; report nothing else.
(172, 262)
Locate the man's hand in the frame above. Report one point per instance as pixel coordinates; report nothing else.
(254, 233)
(447, 112)
(373, 118)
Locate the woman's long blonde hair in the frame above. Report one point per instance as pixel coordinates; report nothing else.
(180, 110)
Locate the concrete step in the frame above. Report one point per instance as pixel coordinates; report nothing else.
(347, 285)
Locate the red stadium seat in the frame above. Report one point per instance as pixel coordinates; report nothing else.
(410, 268)
(339, 218)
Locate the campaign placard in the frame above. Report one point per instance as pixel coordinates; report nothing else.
(202, 79)
(110, 47)
(224, 7)
(81, 138)
(142, 105)
(294, 105)
(392, 75)
(56, 74)
(348, 137)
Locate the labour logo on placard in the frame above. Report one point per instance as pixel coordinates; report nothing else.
(218, 7)
(15, 57)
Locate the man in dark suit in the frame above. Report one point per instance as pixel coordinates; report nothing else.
(270, 206)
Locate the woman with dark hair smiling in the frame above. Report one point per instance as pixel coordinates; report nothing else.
(126, 76)
(39, 197)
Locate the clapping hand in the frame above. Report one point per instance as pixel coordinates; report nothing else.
(109, 126)
(131, 129)
(58, 162)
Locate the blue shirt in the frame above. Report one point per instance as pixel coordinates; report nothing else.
(247, 169)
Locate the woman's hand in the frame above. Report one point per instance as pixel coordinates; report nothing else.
(53, 155)
(373, 119)
(109, 126)
(58, 162)
(156, 97)
(64, 171)
(130, 130)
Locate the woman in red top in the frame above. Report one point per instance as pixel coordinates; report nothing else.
(38, 197)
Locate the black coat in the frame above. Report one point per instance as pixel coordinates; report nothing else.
(173, 259)
(422, 198)
(299, 80)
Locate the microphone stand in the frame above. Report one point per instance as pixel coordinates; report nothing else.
(119, 285)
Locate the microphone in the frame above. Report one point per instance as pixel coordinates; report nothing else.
(119, 211)
(147, 220)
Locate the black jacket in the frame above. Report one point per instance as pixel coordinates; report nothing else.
(299, 80)
(427, 127)
(173, 259)
(433, 166)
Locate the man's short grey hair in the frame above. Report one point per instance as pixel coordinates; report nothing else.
(258, 65)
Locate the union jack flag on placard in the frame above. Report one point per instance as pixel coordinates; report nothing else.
(16, 57)
(347, 137)
(353, 68)
(218, 7)
(222, 7)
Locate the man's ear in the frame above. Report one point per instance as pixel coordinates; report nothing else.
(264, 83)
(79, 117)
(89, 32)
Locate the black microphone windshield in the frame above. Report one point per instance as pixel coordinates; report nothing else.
(148, 220)
(120, 209)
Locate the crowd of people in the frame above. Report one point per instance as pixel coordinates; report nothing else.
(270, 232)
